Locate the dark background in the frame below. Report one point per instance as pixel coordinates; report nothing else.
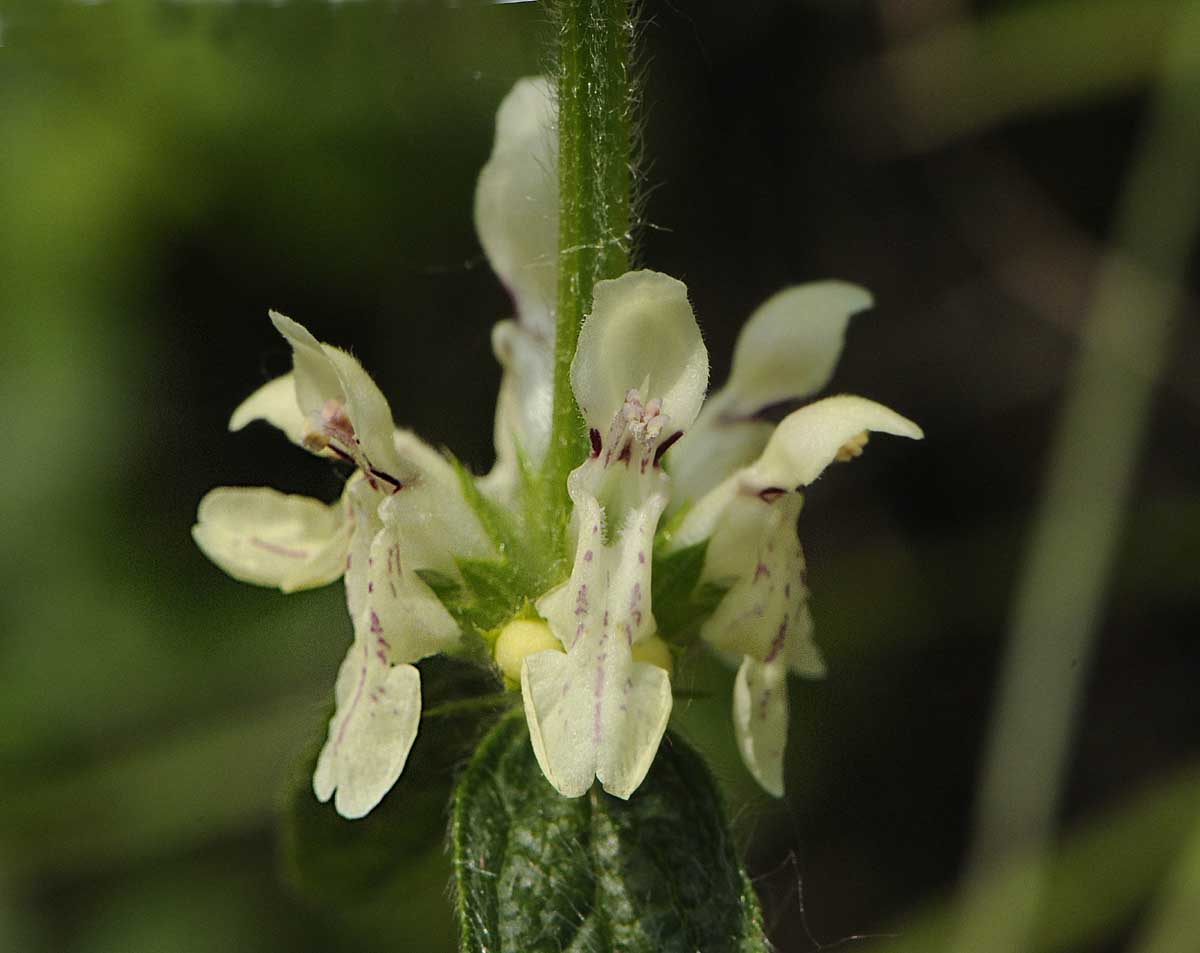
(168, 171)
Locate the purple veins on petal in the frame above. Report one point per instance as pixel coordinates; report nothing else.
(279, 550)
(777, 642)
(362, 678)
(598, 694)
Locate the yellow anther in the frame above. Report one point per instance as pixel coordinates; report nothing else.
(519, 638)
(314, 438)
(655, 651)
(853, 447)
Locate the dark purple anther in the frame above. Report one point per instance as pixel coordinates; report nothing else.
(666, 445)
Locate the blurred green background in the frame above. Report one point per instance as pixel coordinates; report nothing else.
(1015, 181)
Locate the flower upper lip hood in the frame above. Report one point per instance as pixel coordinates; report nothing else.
(516, 216)
(598, 703)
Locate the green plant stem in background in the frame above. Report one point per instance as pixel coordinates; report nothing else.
(595, 101)
(1060, 597)
(1174, 924)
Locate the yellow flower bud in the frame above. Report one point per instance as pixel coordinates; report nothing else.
(519, 638)
(655, 651)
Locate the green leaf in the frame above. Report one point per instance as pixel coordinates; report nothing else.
(374, 872)
(446, 588)
(495, 520)
(680, 602)
(535, 871)
(498, 589)
(491, 592)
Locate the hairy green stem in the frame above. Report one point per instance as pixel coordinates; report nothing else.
(595, 95)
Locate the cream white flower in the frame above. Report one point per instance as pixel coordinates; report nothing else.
(402, 511)
(593, 667)
(750, 496)
(516, 215)
(639, 375)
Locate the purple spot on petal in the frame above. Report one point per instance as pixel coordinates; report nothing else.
(362, 677)
(777, 642)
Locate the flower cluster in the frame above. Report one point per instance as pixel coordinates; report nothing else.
(412, 527)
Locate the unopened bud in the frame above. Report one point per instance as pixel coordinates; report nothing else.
(655, 651)
(519, 638)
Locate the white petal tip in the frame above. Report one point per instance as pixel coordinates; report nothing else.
(811, 438)
(641, 332)
(760, 716)
(294, 331)
(370, 738)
